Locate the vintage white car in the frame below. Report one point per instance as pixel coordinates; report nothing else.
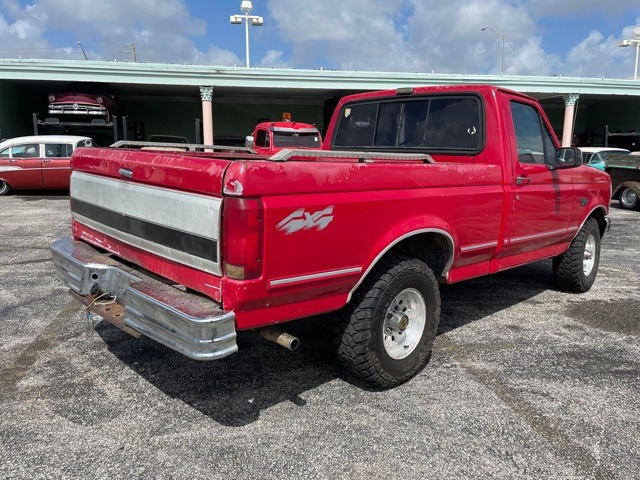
(38, 161)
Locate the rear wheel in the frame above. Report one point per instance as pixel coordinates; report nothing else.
(4, 187)
(386, 332)
(629, 199)
(575, 270)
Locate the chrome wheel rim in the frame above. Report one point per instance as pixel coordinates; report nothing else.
(589, 257)
(629, 197)
(404, 323)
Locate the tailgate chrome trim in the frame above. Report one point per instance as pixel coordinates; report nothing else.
(160, 219)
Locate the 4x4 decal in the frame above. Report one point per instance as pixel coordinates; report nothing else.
(301, 220)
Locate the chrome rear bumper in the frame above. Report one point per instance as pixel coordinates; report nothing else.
(193, 325)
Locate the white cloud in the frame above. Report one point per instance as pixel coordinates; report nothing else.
(597, 56)
(357, 34)
(530, 59)
(274, 59)
(444, 37)
(438, 36)
(162, 30)
(217, 56)
(380, 35)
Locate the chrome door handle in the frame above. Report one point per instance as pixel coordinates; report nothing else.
(522, 180)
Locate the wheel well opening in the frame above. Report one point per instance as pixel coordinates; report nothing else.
(598, 215)
(432, 248)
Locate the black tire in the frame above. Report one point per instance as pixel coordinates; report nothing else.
(386, 332)
(629, 199)
(576, 269)
(4, 187)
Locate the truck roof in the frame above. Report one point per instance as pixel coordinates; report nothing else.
(431, 89)
(288, 126)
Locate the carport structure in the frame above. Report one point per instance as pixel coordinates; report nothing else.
(229, 101)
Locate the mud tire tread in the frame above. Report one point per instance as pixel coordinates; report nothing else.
(567, 268)
(356, 322)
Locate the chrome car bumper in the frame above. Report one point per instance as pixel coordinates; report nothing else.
(80, 110)
(191, 324)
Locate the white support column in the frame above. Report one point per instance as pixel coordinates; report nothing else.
(569, 113)
(206, 95)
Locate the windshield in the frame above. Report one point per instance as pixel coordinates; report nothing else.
(294, 139)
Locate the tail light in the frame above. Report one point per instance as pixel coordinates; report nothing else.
(242, 237)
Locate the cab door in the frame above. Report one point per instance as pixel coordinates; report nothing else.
(56, 165)
(539, 199)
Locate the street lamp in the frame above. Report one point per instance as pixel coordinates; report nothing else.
(633, 42)
(256, 21)
(83, 52)
(503, 40)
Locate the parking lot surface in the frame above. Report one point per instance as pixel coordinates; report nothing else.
(525, 381)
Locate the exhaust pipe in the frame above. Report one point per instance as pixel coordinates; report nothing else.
(281, 338)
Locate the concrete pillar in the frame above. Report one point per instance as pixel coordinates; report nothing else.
(569, 113)
(206, 95)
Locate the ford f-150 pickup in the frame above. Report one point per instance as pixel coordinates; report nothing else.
(412, 187)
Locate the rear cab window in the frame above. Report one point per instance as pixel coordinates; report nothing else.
(450, 124)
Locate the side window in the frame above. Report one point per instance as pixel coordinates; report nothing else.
(5, 153)
(58, 150)
(262, 139)
(533, 141)
(31, 150)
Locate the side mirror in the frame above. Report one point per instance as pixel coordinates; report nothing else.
(248, 141)
(566, 157)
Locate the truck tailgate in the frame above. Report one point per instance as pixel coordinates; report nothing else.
(158, 210)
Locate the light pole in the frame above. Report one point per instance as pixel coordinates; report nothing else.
(633, 42)
(503, 40)
(83, 52)
(256, 21)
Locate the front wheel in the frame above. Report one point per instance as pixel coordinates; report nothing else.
(575, 270)
(385, 334)
(629, 199)
(4, 187)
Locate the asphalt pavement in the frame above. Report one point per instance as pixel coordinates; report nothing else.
(525, 381)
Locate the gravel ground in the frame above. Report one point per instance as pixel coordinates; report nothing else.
(525, 382)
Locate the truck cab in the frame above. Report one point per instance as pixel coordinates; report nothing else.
(271, 137)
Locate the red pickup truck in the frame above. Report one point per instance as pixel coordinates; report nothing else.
(271, 137)
(413, 187)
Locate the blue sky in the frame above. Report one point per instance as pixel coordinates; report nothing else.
(542, 37)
